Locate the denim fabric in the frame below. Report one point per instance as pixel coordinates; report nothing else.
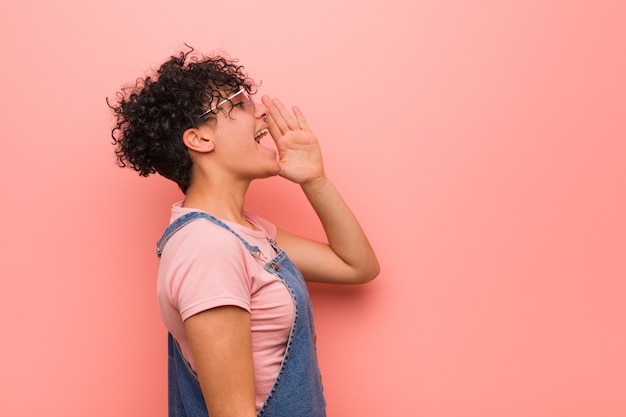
(297, 391)
(184, 396)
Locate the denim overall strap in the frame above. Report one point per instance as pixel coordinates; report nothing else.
(297, 390)
(180, 222)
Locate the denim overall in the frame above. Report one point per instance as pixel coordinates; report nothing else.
(297, 390)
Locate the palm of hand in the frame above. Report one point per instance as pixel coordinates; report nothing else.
(299, 156)
(299, 153)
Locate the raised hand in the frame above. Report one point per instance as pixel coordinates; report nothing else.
(299, 153)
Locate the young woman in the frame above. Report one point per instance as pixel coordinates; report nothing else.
(230, 286)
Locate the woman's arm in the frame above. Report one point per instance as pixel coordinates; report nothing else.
(221, 346)
(348, 257)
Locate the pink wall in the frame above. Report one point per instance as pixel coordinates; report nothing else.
(482, 144)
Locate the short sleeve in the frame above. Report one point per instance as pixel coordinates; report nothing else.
(206, 268)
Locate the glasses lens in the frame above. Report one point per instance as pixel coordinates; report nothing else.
(240, 98)
(243, 98)
(250, 101)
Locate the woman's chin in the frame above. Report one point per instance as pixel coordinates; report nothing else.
(275, 171)
(271, 171)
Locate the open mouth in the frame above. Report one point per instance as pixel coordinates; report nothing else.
(258, 135)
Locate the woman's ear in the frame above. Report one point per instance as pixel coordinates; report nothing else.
(196, 141)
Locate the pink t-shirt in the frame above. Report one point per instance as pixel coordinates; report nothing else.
(204, 266)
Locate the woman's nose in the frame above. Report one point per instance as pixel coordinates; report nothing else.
(260, 111)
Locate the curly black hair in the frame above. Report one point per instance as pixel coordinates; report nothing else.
(152, 115)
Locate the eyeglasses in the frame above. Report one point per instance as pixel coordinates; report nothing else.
(245, 99)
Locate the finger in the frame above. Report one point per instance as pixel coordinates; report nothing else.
(282, 116)
(304, 125)
(275, 132)
(291, 121)
(270, 119)
(278, 121)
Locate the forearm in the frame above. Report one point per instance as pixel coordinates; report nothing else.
(343, 231)
(348, 258)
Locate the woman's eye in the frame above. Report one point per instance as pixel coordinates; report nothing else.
(237, 103)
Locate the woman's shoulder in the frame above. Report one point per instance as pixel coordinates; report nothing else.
(202, 241)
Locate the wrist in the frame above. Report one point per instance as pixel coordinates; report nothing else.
(315, 185)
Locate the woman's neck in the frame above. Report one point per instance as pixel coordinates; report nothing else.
(224, 202)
